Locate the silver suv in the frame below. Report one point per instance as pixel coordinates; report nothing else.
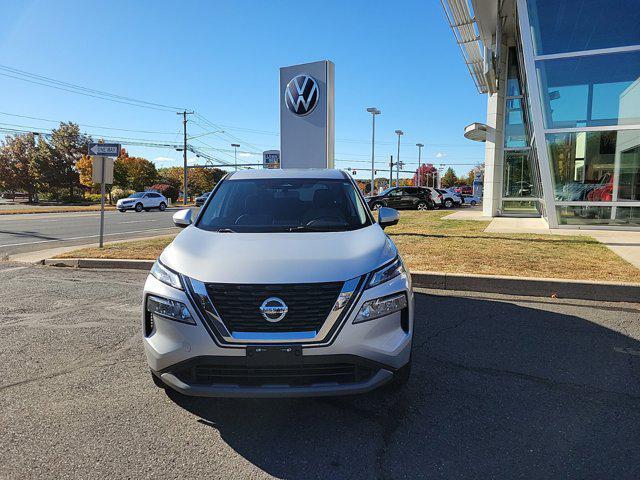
(284, 285)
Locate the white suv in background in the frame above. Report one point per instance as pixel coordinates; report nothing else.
(142, 201)
(284, 285)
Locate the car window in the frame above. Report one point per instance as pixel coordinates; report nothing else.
(284, 205)
(396, 193)
(137, 195)
(411, 191)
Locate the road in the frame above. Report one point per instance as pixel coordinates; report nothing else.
(29, 232)
(502, 387)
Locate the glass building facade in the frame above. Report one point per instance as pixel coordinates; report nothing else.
(585, 56)
(564, 77)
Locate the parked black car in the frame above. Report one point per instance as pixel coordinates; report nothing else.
(402, 197)
(201, 199)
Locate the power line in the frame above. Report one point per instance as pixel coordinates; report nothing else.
(80, 90)
(87, 125)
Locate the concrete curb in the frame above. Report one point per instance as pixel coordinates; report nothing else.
(99, 263)
(535, 287)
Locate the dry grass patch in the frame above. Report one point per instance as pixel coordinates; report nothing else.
(55, 209)
(148, 249)
(430, 243)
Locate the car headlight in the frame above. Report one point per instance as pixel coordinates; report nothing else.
(386, 273)
(170, 309)
(165, 275)
(380, 307)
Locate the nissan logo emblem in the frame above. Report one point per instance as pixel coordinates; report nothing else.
(301, 94)
(273, 309)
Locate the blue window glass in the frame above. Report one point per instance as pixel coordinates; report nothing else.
(561, 26)
(515, 134)
(593, 90)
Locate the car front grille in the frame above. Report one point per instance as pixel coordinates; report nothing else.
(291, 375)
(309, 305)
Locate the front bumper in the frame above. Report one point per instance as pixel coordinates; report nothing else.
(382, 345)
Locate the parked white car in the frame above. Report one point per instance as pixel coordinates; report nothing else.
(142, 201)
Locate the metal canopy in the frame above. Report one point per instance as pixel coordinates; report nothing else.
(465, 30)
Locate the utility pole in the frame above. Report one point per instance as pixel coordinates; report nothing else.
(390, 171)
(419, 145)
(184, 155)
(235, 153)
(373, 111)
(399, 133)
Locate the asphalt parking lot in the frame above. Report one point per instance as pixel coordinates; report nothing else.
(503, 387)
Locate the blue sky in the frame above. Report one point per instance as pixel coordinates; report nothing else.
(222, 58)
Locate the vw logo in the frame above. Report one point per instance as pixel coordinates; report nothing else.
(301, 94)
(273, 309)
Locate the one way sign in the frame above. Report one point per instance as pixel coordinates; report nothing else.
(104, 149)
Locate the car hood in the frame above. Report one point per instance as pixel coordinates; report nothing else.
(300, 257)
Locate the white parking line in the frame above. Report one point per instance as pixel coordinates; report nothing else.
(85, 236)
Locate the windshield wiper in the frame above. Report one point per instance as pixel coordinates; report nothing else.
(311, 228)
(226, 230)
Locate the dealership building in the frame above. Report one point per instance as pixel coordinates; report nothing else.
(562, 133)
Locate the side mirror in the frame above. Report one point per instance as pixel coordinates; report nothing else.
(387, 217)
(182, 218)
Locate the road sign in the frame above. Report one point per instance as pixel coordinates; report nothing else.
(104, 149)
(271, 159)
(96, 173)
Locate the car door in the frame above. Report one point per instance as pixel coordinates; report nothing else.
(394, 198)
(411, 197)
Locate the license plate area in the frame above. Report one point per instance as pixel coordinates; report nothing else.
(274, 355)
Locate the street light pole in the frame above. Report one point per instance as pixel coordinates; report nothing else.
(418, 180)
(184, 155)
(390, 171)
(398, 163)
(373, 111)
(235, 154)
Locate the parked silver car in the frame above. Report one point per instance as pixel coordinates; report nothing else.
(284, 285)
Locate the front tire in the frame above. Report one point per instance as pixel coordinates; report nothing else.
(448, 203)
(473, 203)
(423, 206)
(162, 207)
(139, 207)
(157, 382)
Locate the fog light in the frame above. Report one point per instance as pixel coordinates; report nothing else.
(170, 309)
(380, 307)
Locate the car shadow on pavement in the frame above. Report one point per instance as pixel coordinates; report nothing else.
(497, 390)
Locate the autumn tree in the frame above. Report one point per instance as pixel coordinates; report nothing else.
(18, 164)
(427, 174)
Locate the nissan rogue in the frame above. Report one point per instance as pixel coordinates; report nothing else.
(283, 285)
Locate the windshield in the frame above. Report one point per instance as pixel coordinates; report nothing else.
(284, 205)
(136, 195)
(385, 191)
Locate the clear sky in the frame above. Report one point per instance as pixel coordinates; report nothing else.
(221, 59)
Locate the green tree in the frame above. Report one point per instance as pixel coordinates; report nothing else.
(449, 179)
(68, 145)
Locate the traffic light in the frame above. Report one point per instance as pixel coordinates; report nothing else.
(354, 172)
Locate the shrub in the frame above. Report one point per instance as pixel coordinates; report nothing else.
(118, 193)
(167, 190)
